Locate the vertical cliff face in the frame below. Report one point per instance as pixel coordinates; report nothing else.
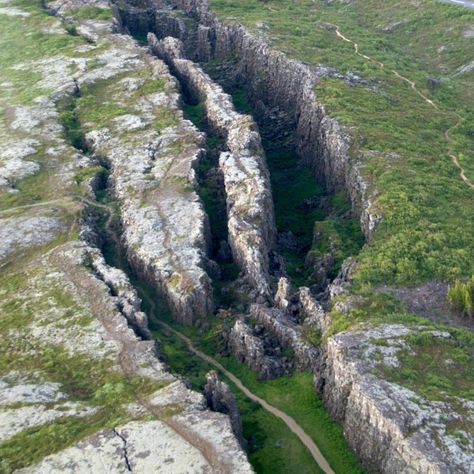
(165, 228)
(278, 87)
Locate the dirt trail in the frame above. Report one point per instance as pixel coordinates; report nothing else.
(454, 158)
(288, 420)
(129, 367)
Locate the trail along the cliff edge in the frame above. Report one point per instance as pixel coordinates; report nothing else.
(454, 158)
(288, 420)
(128, 365)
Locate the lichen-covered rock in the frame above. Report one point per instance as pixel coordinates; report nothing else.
(73, 339)
(288, 333)
(312, 312)
(283, 294)
(22, 233)
(402, 431)
(165, 228)
(250, 213)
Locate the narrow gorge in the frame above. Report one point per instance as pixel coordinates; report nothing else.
(180, 282)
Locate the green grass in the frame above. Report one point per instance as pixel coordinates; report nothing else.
(436, 368)
(276, 450)
(33, 444)
(461, 296)
(91, 12)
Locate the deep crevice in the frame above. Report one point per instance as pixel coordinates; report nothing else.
(317, 227)
(125, 452)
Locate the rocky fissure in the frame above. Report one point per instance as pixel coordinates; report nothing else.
(281, 92)
(148, 229)
(172, 425)
(250, 221)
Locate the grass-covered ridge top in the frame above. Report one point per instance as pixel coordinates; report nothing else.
(399, 138)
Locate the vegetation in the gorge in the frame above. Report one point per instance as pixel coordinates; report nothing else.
(271, 448)
(461, 296)
(299, 213)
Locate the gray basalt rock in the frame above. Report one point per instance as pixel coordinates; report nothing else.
(289, 335)
(250, 349)
(220, 398)
(251, 223)
(283, 294)
(312, 312)
(278, 86)
(165, 228)
(71, 311)
(402, 431)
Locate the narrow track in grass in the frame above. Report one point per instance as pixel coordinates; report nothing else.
(129, 367)
(288, 420)
(460, 119)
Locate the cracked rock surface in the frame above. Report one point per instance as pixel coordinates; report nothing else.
(82, 388)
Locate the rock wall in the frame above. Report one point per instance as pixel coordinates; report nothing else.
(165, 228)
(258, 353)
(250, 216)
(220, 398)
(277, 86)
(392, 429)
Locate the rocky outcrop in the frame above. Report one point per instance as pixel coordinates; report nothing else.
(402, 431)
(73, 338)
(258, 353)
(250, 217)
(121, 289)
(220, 398)
(165, 228)
(311, 311)
(288, 333)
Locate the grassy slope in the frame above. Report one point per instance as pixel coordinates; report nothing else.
(28, 297)
(428, 225)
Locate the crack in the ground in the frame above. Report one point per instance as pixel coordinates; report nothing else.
(125, 451)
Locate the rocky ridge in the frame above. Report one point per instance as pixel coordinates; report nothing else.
(250, 216)
(386, 439)
(80, 378)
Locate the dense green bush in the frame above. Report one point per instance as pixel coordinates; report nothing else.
(461, 296)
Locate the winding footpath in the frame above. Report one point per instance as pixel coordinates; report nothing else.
(288, 420)
(129, 367)
(454, 158)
